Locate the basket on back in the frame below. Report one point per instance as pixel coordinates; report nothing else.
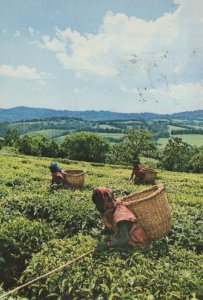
(75, 178)
(152, 210)
(150, 175)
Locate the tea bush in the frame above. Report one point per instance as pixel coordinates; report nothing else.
(42, 229)
(19, 238)
(114, 274)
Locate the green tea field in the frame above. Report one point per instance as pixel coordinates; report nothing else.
(42, 229)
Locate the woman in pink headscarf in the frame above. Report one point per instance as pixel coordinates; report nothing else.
(116, 216)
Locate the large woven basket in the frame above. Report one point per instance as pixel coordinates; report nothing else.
(152, 210)
(150, 175)
(75, 178)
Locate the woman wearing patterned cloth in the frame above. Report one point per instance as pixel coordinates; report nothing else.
(58, 176)
(116, 216)
(138, 172)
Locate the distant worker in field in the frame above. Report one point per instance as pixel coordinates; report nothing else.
(116, 216)
(138, 172)
(58, 176)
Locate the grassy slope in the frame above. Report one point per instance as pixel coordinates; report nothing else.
(167, 269)
(49, 133)
(192, 139)
(107, 135)
(171, 127)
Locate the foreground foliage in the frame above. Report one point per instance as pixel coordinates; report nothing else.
(42, 229)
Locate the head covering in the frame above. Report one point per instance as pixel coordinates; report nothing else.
(53, 165)
(103, 198)
(117, 213)
(136, 161)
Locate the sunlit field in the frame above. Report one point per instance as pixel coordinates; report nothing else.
(42, 229)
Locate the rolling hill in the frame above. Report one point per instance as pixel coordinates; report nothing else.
(29, 113)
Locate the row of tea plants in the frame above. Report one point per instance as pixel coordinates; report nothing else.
(41, 229)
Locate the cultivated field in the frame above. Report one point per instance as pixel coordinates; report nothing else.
(58, 128)
(42, 229)
(191, 139)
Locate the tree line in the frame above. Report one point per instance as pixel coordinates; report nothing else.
(187, 131)
(91, 147)
(157, 127)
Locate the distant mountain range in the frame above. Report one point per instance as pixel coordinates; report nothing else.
(28, 113)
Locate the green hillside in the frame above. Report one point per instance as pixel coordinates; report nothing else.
(57, 128)
(191, 139)
(26, 113)
(42, 229)
(49, 133)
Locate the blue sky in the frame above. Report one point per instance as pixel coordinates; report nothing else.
(117, 55)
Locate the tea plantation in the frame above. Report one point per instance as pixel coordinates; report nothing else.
(42, 229)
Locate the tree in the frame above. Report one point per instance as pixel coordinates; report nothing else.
(117, 154)
(25, 145)
(38, 145)
(1, 142)
(42, 146)
(137, 142)
(11, 137)
(85, 146)
(176, 155)
(196, 162)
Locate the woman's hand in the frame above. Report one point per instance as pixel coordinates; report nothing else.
(102, 246)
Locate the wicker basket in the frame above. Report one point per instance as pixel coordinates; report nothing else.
(75, 178)
(150, 175)
(152, 209)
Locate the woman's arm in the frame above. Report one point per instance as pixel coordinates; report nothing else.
(59, 181)
(132, 174)
(123, 227)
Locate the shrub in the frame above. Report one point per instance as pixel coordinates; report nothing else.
(19, 237)
(1, 142)
(38, 145)
(176, 155)
(154, 274)
(135, 143)
(196, 163)
(85, 146)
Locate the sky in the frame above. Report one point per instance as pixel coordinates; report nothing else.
(117, 55)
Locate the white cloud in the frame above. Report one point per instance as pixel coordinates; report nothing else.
(190, 93)
(4, 31)
(180, 97)
(52, 44)
(175, 98)
(81, 65)
(32, 31)
(123, 88)
(17, 33)
(159, 62)
(23, 72)
(153, 53)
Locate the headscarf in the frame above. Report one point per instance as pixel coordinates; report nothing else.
(114, 212)
(54, 167)
(136, 163)
(103, 198)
